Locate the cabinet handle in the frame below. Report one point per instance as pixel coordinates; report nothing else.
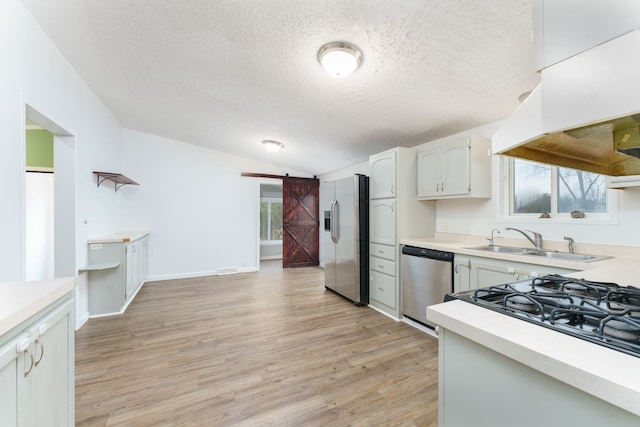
(28, 371)
(455, 269)
(380, 251)
(380, 266)
(38, 343)
(380, 289)
(392, 189)
(437, 187)
(442, 186)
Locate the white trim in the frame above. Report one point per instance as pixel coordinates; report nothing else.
(163, 277)
(270, 257)
(384, 312)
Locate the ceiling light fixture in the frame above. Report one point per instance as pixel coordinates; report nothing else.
(273, 146)
(339, 58)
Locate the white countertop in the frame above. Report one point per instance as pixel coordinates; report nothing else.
(610, 375)
(120, 237)
(21, 300)
(621, 268)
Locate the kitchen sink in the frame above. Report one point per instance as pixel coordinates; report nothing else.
(499, 249)
(565, 256)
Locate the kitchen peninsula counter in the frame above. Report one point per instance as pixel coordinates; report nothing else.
(609, 375)
(21, 300)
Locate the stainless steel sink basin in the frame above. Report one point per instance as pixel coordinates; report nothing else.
(565, 256)
(539, 253)
(499, 249)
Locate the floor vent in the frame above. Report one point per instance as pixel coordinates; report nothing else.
(228, 270)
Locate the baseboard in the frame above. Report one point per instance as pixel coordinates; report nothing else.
(384, 312)
(80, 321)
(160, 278)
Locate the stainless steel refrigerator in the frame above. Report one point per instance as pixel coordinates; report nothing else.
(346, 238)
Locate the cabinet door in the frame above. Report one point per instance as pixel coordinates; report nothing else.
(382, 221)
(382, 183)
(461, 274)
(10, 376)
(131, 269)
(429, 181)
(455, 169)
(51, 379)
(488, 273)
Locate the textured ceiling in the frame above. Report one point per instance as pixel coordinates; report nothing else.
(228, 74)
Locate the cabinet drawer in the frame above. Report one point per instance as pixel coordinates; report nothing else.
(382, 288)
(383, 266)
(383, 251)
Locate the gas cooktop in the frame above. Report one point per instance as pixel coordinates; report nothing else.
(603, 313)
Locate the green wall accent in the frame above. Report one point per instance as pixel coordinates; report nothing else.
(39, 148)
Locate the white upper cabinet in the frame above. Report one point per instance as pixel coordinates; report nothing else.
(455, 169)
(382, 183)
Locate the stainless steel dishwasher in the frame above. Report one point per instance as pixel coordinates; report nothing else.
(427, 276)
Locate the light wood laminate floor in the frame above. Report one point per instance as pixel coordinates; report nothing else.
(256, 349)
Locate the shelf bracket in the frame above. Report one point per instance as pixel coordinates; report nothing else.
(118, 179)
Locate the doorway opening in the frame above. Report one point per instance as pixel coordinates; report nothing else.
(48, 220)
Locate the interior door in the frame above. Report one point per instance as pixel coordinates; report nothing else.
(300, 223)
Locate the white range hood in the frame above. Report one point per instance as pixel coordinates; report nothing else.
(585, 109)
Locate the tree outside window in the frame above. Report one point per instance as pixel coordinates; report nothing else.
(270, 220)
(538, 188)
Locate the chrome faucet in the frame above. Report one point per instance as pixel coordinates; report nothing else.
(537, 236)
(571, 242)
(495, 230)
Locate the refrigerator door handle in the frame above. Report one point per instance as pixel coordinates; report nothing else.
(334, 216)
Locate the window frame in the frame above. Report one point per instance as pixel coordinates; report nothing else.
(506, 205)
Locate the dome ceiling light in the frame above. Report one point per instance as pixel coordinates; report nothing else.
(339, 58)
(273, 146)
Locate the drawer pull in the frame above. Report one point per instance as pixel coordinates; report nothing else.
(28, 371)
(382, 267)
(380, 289)
(38, 343)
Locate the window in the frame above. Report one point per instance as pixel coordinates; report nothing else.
(270, 220)
(536, 188)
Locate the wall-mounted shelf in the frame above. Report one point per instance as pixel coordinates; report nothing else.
(117, 178)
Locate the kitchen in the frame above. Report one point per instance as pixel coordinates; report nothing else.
(176, 169)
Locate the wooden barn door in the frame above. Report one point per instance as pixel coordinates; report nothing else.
(300, 222)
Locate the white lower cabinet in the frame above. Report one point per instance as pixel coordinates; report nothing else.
(383, 289)
(478, 386)
(37, 370)
(117, 270)
(471, 272)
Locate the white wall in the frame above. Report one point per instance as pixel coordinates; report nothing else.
(202, 215)
(33, 72)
